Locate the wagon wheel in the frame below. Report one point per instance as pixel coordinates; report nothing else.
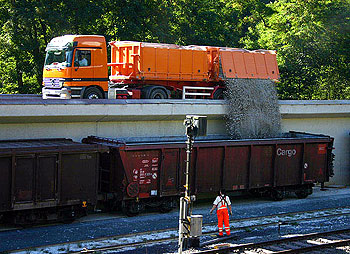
(277, 195)
(133, 208)
(301, 194)
(167, 206)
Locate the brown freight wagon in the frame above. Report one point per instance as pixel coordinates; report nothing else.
(151, 172)
(47, 179)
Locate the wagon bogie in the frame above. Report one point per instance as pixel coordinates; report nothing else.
(303, 191)
(136, 206)
(277, 194)
(133, 207)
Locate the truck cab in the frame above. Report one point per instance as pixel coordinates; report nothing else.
(75, 67)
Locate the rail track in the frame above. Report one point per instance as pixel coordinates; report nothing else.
(296, 244)
(209, 229)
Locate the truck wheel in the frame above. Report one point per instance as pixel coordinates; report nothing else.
(92, 93)
(158, 93)
(219, 94)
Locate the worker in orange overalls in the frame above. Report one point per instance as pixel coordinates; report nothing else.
(222, 202)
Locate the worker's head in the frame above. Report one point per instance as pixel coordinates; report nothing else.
(222, 192)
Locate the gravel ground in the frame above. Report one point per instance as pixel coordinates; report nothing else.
(108, 225)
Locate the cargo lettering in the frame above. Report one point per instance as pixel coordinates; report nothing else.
(289, 152)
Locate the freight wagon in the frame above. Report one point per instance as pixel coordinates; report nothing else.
(76, 67)
(56, 179)
(150, 172)
(47, 179)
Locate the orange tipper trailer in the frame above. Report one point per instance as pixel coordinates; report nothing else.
(147, 70)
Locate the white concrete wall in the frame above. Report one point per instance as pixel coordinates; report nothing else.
(79, 130)
(77, 119)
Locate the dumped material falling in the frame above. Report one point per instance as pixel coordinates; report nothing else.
(253, 110)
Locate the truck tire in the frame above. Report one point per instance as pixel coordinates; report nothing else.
(92, 93)
(158, 93)
(219, 94)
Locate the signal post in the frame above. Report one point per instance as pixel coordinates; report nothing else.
(190, 226)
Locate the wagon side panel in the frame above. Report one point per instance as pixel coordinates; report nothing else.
(315, 165)
(78, 179)
(5, 183)
(141, 172)
(47, 177)
(288, 164)
(24, 179)
(169, 181)
(235, 175)
(209, 169)
(261, 169)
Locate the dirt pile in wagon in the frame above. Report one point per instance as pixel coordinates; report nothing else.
(253, 110)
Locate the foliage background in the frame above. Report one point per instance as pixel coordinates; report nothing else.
(311, 37)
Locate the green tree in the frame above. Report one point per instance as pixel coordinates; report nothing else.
(138, 20)
(312, 42)
(27, 27)
(206, 22)
(311, 36)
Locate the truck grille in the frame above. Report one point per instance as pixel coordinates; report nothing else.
(52, 82)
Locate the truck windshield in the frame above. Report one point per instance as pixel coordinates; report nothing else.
(59, 58)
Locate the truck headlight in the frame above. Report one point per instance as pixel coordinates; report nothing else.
(65, 93)
(44, 96)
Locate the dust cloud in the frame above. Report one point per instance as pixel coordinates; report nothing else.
(253, 110)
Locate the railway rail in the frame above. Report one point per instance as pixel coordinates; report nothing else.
(296, 244)
(170, 234)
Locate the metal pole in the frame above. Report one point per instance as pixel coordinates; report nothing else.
(185, 201)
(189, 142)
(181, 228)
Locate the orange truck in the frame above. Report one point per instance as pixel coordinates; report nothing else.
(76, 67)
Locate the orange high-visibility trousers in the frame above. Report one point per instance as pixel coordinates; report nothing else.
(223, 218)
